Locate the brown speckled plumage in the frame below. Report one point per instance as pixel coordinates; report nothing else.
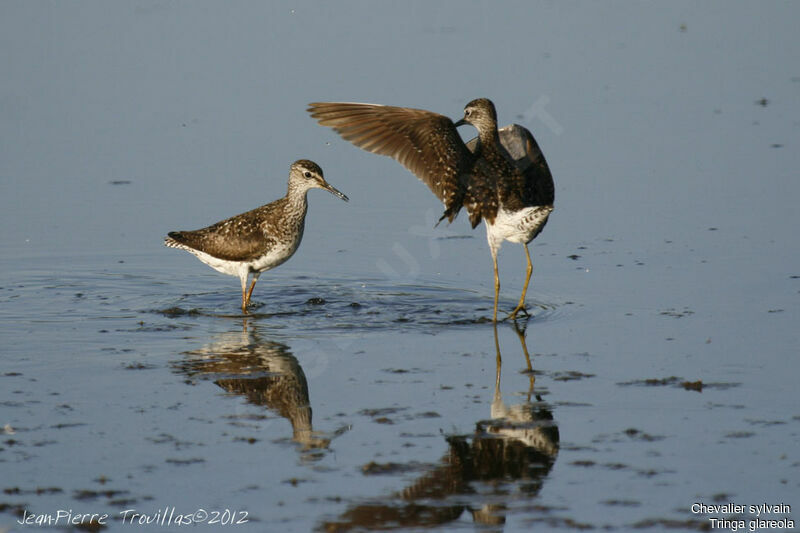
(500, 177)
(243, 237)
(481, 176)
(260, 239)
(426, 143)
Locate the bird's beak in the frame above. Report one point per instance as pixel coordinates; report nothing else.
(460, 123)
(333, 190)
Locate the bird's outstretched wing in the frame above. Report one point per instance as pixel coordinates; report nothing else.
(424, 142)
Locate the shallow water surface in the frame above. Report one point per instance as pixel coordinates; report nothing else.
(654, 379)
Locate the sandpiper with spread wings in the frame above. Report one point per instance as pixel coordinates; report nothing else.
(260, 239)
(500, 177)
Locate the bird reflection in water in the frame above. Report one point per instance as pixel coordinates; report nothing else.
(266, 374)
(508, 457)
(530, 422)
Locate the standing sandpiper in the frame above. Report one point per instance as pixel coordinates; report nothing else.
(258, 240)
(500, 177)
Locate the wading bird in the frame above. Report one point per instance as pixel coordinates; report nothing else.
(258, 240)
(501, 177)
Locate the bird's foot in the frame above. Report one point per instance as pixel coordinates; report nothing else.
(513, 314)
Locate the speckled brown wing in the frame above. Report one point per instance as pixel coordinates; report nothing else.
(536, 186)
(426, 143)
(481, 195)
(238, 238)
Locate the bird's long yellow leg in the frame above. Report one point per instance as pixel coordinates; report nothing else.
(243, 280)
(252, 286)
(496, 286)
(521, 304)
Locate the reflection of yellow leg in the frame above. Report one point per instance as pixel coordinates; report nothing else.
(499, 363)
(529, 370)
(496, 287)
(497, 347)
(521, 304)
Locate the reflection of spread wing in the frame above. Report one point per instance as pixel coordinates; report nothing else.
(239, 238)
(426, 143)
(529, 159)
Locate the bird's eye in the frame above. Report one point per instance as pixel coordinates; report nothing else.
(307, 174)
(467, 112)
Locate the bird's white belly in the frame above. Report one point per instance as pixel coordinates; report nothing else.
(518, 226)
(276, 256)
(231, 268)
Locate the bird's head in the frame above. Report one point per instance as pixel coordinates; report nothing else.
(479, 113)
(308, 175)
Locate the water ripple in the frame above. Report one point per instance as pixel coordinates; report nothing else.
(357, 305)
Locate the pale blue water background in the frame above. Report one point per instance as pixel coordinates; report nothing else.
(672, 132)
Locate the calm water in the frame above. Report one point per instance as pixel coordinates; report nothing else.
(367, 389)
